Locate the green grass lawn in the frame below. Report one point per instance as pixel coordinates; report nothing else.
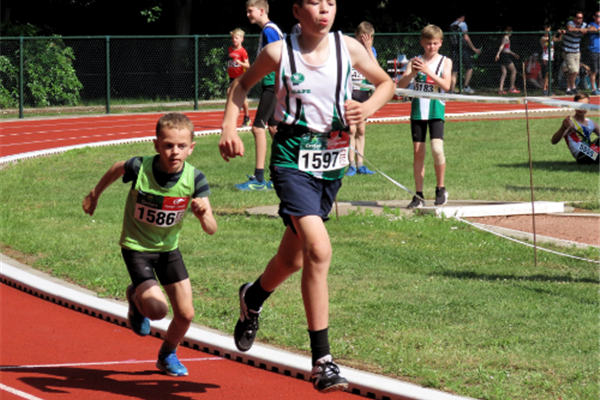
(431, 301)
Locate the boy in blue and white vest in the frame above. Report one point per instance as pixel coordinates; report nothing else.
(308, 160)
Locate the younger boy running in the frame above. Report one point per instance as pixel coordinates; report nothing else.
(238, 63)
(308, 160)
(257, 12)
(577, 132)
(161, 188)
(432, 73)
(364, 35)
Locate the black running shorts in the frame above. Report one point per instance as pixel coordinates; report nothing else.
(419, 129)
(142, 266)
(265, 113)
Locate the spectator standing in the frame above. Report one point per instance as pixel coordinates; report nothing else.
(593, 54)
(257, 12)
(364, 34)
(576, 28)
(547, 43)
(237, 64)
(505, 57)
(467, 52)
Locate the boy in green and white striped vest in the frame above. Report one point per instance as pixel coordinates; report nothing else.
(430, 73)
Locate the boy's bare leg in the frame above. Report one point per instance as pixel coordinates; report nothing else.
(513, 75)
(502, 77)
(352, 134)
(246, 108)
(440, 171)
(316, 249)
(419, 164)
(180, 296)
(287, 261)
(150, 300)
(260, 143)
(360, 141)
(468, 75)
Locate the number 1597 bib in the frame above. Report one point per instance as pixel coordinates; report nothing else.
(324, 151)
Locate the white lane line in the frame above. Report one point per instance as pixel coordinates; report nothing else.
(18, 393)
(14, 367)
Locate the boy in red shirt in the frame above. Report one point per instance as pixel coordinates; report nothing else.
(238, 63)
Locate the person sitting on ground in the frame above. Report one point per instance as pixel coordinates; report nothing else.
(577, 131)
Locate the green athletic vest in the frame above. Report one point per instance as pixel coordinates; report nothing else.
(154, 215)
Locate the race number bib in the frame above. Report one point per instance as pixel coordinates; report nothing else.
(588, 151)
(321, 152)
(160, 211)
(424, 83)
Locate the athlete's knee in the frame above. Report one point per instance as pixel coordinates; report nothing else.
(437, 150)
(155, 309)
(185, 314)
(318, 252)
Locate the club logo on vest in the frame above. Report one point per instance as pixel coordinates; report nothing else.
(297, 78)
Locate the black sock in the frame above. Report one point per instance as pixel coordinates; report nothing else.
(259, 174)
(256, 296)
(420, 194)
(319, 344)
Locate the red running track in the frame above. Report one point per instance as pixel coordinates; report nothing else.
(26, 135)
(51, 352)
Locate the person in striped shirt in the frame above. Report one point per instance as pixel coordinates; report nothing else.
(576, 28)
(430, 73)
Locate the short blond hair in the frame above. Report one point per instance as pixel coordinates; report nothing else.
(237, 32)
(174, 120)
(432, 32)
(264, 4)
(364, 28)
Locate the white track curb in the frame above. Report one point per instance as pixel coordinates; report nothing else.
(289, 364)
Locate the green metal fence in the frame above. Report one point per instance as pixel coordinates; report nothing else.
(51, 75)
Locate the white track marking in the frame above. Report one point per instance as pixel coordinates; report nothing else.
(18, 393)
(13, 367)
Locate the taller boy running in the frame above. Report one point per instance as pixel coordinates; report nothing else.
(432, 73)
(308, 160)
(257, 12)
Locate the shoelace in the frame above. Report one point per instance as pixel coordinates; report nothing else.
(330, 368)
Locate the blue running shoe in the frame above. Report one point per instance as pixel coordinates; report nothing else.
(252, 184)
(140, 325)
(171, 365)
(363, 170)
(351, 171)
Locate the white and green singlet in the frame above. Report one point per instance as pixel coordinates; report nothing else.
(313, 136)
(424, 109)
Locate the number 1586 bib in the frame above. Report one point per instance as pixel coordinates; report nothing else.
(160, 211)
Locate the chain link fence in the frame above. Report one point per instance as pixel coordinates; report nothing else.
(52, 75)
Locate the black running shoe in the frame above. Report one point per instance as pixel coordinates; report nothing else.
(416, 203)
(326, 377)
(247, 325)
(441, 196)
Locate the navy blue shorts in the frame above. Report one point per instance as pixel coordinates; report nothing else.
(142, 266)
(302, 194)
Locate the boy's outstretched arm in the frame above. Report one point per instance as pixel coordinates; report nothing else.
(91, 200)
(384, 87)
(560, 133)
(203, 211)
(267, 61)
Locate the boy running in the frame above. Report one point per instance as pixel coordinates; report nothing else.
(257, 12)
(431, 73)
(237, 64)
(161, 188)
(308, 160)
